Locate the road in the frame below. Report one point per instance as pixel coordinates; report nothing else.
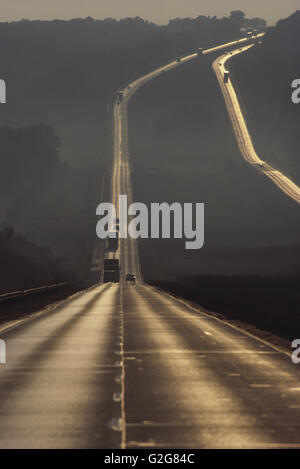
(241, 131)
(124, 366)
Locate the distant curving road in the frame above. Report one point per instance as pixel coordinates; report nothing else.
(241, 131)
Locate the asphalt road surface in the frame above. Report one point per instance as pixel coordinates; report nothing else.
(128, 366)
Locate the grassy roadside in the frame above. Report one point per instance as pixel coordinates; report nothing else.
(267, 303)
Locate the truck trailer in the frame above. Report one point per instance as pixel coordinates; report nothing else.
(113, 241)
(111, 270)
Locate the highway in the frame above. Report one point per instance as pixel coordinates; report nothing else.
(129, 366)
(241, 131)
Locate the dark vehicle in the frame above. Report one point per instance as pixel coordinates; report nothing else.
(111, 270)
(130, 278)
(111, 263)
(113, 241)
(111, 276)
(178, 59)
(226, 76)
(120, 96)
(199, 51)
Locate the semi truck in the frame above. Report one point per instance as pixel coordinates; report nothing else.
(120, 96)
(111, 270)
(226, 76)
(113, 241)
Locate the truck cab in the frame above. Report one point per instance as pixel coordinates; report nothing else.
(111, 276)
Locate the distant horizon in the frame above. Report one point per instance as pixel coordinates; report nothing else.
(159, 11)
(133, 17)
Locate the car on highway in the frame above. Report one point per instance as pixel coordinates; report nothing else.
(130, 278)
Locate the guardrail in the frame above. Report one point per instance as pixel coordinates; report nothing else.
(31, 291)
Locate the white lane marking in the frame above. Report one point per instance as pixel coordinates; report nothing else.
(257, 385)
(123, 413)
(207, 333)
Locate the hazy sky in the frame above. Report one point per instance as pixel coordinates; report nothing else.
(159, 11)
